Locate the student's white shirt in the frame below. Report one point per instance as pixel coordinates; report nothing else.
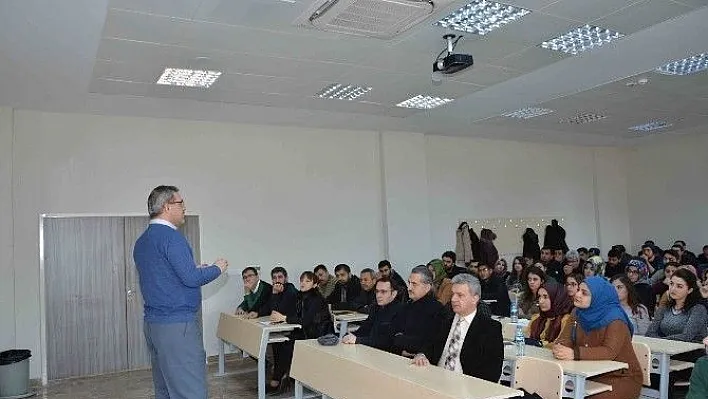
(466, 322)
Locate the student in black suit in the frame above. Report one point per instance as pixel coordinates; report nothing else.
(421, 318)
(469, 342)
(377, 330)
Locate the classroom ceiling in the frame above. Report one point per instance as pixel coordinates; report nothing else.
(104, 57)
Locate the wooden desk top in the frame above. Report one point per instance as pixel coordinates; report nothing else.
(363, 371)
(351, 317)
(585, 368)
(668, 346)
(247, 334)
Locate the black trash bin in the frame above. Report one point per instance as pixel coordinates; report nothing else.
(14, 373)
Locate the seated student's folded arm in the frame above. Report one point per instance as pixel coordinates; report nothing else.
(616, 335)
(694, 327)
(564, 338)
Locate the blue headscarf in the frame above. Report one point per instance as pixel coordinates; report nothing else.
(604, 307)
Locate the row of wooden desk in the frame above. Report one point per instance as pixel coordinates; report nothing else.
(578, 371)
(345, 371)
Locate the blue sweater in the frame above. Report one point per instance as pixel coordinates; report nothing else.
(170, 280)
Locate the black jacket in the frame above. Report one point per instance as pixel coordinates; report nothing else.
(344, 293)
(284, 302)
(455, 270)
(482, 352)
(377, 330)
(401, 286)
(531, 248)
(555, 236)
(312, 313)
(495, 289)
(361, 303)
(417, 324)
(488, 255)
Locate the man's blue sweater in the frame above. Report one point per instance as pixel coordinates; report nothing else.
(170, 279)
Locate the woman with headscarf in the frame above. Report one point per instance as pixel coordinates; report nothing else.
(555, 307)
(442, 285)
(638, 274)
(601, 330)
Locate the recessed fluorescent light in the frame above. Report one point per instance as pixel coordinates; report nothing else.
(341, 91)
(482, 17)
(188, 77)
(528, 113)
(686, 66)
(581, 39)
(651, 126)
(424, 102)
(583, 118)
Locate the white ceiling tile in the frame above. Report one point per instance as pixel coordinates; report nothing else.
(117, 87)
(642, 15)
(485, 75)
(692, 3)
(258, 84)
(127, 71)
(273, 14)
(175, 8)
(585, 11)
(530, 59)
(534, 5)
(143, 27)
(533, 29)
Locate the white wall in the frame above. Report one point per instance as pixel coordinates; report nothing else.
(297, 196)
(668, 192)
(485, 178)
(7, 280)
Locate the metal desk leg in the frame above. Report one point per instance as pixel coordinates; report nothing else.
(221, 357)
(579, 386)
(298, 390)
(664, 376)
(262, 363)
(342, 329)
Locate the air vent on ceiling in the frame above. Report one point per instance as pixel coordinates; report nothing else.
(382, 19)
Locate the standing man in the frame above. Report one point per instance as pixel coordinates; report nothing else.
(170, 282)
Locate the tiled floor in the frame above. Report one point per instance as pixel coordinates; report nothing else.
(138, 384)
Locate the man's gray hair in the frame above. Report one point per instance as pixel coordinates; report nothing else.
(158, 197)
(572, 255)
(425, 275)
(471, 281)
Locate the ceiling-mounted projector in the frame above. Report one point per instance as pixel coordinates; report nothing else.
(451, 63)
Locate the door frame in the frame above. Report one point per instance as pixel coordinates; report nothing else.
(43, 343)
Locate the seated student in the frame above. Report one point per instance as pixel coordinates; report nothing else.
(256, 295)
(698, 388)
(377, 330)
(312, 314)
(614, 265)
(661, 287)
(637, 273)
(601, 330)
(386, 270)
(421, 318)
(528, 304)
(284, 294)
(684, 319)
(325, 281)
(572, 283)
(494, 291)
(449, 258)
(468, 343)
(629, 299)
(594, 266)
(555, 307)
(513, 282)
(347, 288)
(442, 286)
(367, 294)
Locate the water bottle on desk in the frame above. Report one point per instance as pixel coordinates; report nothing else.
(514, 310)
(520, 340)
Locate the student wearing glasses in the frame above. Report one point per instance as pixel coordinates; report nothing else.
(256, 298)
(377, 330)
